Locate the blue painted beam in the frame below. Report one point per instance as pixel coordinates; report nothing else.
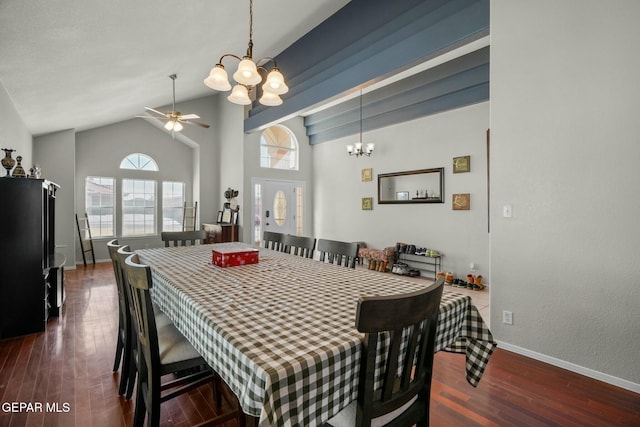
(450, 101)
(419, 95)
(366, 41)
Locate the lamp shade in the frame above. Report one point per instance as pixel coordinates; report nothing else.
(247, 73)
(270, 99)
(275, 83)
(169, 125)
(218, 79)
(239, 95)
(350, 148)
(177, 127)
(370, 147)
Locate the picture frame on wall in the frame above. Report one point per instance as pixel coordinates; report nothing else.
(462, 164)
(367, 174)
(227, 216)
(461, 202)
(367, 203)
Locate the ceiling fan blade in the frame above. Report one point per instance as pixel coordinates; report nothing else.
(152, 117)
(191, 122)
(189, 116)
(155, 111)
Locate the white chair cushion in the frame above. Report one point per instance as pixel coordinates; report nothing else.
(173, 346)
(347, 417)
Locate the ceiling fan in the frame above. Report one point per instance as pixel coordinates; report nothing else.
(173, 119)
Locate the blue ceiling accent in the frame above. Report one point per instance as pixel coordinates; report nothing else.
(454, 84)
(366, 41)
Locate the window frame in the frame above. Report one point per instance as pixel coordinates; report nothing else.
(292, 150)
(180, 207)
(153, 208)
(96, 230)
(148, 160)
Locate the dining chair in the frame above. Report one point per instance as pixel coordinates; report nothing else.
(273, 240)
(299, 245)
(337, 252)
(183, 238)
(129, 370)
(162, 351)
(123, 343)
(408, 322)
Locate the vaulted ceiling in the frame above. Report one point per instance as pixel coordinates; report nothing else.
(82, 64)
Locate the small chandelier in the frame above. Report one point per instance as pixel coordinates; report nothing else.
(359, 148)
(248, 75)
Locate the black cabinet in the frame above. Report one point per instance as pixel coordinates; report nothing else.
(27, 254)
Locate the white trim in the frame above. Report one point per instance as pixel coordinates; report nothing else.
(609, 379)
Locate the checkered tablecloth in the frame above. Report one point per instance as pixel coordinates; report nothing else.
(282, 334)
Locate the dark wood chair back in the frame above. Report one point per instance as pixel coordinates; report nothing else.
(124, 343)
(336, 252)
(273, 240)
(299, 245)
(113, 247)
(139, 277)
(409, 322)
(183, 238)
(122, 253)
(192, 369)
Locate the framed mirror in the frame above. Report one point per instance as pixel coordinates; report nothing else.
(417, 186)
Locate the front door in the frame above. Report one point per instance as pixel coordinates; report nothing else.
(276, 208)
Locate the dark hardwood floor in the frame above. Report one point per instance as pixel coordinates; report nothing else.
(70, 365)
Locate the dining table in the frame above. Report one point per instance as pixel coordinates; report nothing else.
(281, 332)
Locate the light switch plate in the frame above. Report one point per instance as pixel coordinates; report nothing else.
(507, 212)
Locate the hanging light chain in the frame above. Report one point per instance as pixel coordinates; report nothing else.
(248, 75)
(250, 47)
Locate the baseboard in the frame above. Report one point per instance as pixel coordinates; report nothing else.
(609, 379)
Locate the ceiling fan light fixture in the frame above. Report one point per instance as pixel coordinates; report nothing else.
(270, 99)
(275, 82)
(239, 95)
(218, 79)
(174, 120)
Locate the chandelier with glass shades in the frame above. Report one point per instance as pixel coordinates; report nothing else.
(359, 148)
(248, 75)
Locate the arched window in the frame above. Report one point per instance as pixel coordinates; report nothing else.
(139, 161)
(278, 148)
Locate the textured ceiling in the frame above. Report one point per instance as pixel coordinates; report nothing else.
(86, 63)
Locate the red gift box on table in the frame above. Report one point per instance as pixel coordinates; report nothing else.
(234, 256)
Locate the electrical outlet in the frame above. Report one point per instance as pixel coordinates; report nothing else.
(507, 317)
(472, 266)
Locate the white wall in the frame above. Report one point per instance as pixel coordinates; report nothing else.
(206, 152)
(13, 132)
(564, 151)
(424, 143)
(56, 155)
(99, 152)
(231, 161)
